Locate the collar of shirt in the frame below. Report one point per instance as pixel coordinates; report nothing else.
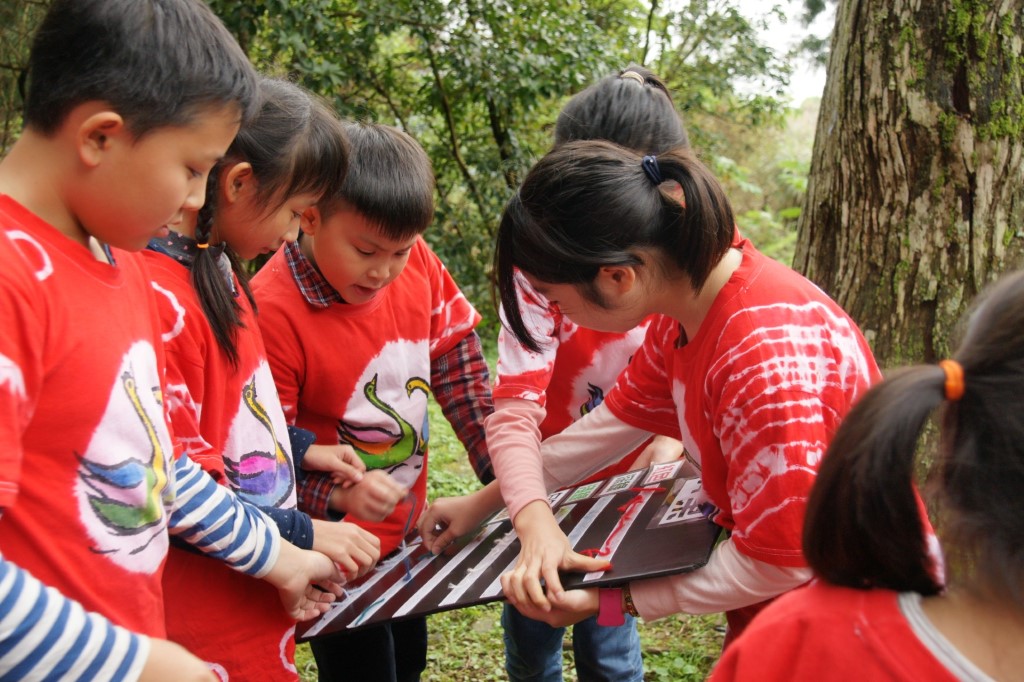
(314, 288)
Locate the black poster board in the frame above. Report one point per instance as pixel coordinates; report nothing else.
(647, 523)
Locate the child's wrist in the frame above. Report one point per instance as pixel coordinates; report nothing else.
(627, 602)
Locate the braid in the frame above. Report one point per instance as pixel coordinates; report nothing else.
(214, 293)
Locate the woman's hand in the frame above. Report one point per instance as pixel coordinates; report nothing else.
(545, 551)
(574, 606)
(660, 449)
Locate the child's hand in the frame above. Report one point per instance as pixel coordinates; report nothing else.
(372, 499)
(340, 461)
(575, 605)
(449, 518)
(306, 581)
(354, 549)
(660, 449)
(170, 662)
(545, 550)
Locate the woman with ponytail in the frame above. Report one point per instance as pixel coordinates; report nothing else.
(222, 400)
(749, 362)
(877, 610)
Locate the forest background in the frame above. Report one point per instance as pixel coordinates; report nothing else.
(900, 190)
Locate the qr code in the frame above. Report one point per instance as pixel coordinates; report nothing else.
(685, 505)
(621, 482)
(554, 497)
(661, 472)
(583, 492)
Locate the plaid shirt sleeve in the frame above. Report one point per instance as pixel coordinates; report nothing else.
(461, 384)
(314, 490)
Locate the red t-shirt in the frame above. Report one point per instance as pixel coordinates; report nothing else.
(230, 421)
(85, 450)
(822, 632)
(360, 374)
(761, 390)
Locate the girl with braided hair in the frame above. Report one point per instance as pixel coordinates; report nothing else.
(223, 402)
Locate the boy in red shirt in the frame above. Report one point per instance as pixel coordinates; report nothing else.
(129, 105)
(361, 323)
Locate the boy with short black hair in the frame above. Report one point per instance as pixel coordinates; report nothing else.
(130, 103)
(362, 322)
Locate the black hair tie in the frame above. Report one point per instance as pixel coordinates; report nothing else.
(651, 168)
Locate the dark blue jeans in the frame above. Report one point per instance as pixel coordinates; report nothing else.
(395, 652)
(533, 650)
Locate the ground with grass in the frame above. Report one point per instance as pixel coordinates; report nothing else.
(467, 644)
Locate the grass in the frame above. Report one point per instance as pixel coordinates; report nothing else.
(467, 644)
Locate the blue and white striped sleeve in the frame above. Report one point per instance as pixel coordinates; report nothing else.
(44, 635)
(212, 519)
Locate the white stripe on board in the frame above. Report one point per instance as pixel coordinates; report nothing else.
(392, 591)
(621, 529)
(577, 532)
(495, 587)
(383, 568)
(448, 568)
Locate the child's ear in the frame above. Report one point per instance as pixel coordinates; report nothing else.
(311, 220)
(616, 280)
(236, 180)
(96, 135)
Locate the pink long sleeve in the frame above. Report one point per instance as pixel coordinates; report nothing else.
(513, 439)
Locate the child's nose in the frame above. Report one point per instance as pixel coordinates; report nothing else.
(293, 232)
(380, 272)
(196, 197)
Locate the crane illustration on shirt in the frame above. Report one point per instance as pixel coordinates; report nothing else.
(378, 447)
(264, 478)
(113, 486)
(596, 398)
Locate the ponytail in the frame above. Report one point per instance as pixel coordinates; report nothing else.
(632, 108)
(863, 526)
(295, 144)
(698, 228)
(214, 286)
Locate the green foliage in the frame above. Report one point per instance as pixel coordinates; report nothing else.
(18, 19)
(479, 83)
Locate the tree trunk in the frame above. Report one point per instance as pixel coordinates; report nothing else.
(916, 193)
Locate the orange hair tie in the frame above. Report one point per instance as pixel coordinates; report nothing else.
(954, 379)
(202, 245)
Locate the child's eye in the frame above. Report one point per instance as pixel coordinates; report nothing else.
(194, 173)
(365, 253)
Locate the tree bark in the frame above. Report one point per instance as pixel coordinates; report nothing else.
(915, 199)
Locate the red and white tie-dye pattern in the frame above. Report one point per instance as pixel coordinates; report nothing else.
(761, 389)
(573, 371)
